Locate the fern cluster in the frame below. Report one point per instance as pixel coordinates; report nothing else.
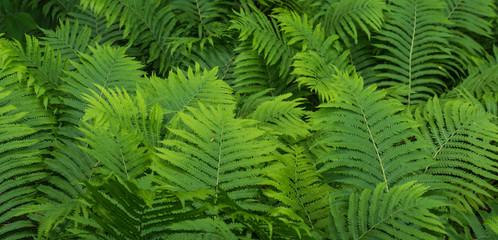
(249, 119)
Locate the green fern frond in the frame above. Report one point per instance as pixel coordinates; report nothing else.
(111, 107)
(320, 57)
(469, 17)
(370, 139)
(69, 40)
(25, 134)
(299, 187)
(180, 91)
(463, 145)
(402, 213)
(213, 150)
(256, 26)
(481, 84)
(108, 67)
(97, 25)
(283, 116)
(147, 24)
(44, 65)
(345, 17)
(252, 75)
(416, 49)
(202, 17)
(136, 210)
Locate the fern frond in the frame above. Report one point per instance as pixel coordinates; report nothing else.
(100, 30)
(147, 24)
(69, 40)
(112, 107)
(469, 17)
(401, 213)
(320, 57)
(481, 83)
(108, 67)
(25, 134)
(44, 65)
(283, 117)
(213, 150)
(299, 187)
(180, 91)
(416, 49)
(202, 17)
(369, 138)
(134, 209)
(344, 17)
(463, 145)
(252, 75)
(256, 26)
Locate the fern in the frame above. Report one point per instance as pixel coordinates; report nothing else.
(462, 144)
(344, 17)
(215, 151)
(402, 213)
(181, 91)
(415, 47)
(255, 25)
(469, 17)
(369, 138)
(298, 187)
(25, 133)
(134, 209)
(107, 67)
(148, 24)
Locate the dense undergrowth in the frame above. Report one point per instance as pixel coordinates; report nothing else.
(250, 119)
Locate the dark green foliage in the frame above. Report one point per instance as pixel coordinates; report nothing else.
(248, 119)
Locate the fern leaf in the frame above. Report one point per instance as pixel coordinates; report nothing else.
(255, 25)
(462, 142)
(402, 213)
(283, 117)
(214, 151)
(298, 186)
(344, 17)
(181, 91)
(107, 67)
(369, 139)
(148, 24)
(132, 209)
(69, 40)
(415, 44)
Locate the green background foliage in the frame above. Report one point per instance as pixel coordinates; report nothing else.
(248, 119)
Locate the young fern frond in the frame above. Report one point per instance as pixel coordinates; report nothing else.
(415, 44)
(370, 139)
(463, 144)
(299, 188)
(402, 213)
(345, 17)
(213, 150)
